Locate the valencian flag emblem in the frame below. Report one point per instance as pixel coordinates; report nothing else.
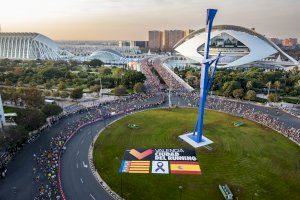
(160, 161)
(141, 167)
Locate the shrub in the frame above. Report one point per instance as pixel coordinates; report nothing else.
(120, 90)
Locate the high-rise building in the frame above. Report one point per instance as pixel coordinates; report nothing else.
(171, 37)
(289, 42)
(166, 40)
(124, 43)
(155, 40)
(141, 44)
(187, 32)
(276, 41)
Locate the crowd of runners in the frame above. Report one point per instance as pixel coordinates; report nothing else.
(152, 83)
(47, 160)
(167, 76)
(245, 110)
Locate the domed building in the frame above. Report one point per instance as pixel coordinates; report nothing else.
(239, 47)
(108, 56)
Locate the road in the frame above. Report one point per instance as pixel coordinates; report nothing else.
(19, 183)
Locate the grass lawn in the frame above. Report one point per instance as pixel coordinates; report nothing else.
(256, 162)
(10, 109)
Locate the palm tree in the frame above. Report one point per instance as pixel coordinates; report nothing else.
(249, 85)
(297, 85)
(277, 85)
(269, 85)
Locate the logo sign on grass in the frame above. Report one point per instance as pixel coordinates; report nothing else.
(160, 161)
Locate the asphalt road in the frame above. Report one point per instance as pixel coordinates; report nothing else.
(19, 182)
(77, 179)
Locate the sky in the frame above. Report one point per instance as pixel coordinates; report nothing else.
(131, 19)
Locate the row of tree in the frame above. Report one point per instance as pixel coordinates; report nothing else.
(240, 83)
(61, 76)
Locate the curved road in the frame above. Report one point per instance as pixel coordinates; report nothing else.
(19, 182)
(78, 181)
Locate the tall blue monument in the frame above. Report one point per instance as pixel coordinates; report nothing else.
(208, 69)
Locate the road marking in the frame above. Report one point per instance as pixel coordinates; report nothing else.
(77, 152)
(82, 140)
(92, 197)
(81, 180)
(84, 165)
(77, 165)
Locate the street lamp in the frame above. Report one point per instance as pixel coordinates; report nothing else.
(180, 191)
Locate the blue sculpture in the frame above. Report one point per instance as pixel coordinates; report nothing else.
(206, 78)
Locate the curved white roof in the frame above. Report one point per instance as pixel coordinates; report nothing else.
(108, 56)
(259, 46)
(28, 46)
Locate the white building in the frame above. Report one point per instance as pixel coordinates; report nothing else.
(28, 46)
(239, 47)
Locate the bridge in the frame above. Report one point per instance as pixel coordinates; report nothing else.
(172, 80)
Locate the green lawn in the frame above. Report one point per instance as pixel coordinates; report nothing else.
(10, 109)
(250, 159)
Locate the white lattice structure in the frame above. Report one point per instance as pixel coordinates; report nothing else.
(28, 46)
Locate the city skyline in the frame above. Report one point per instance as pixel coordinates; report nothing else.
(131, 20)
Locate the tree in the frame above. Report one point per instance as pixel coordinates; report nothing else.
(120, 90)
(250, 95)
(61, 86)
(95, 63)
(33, 97)
(95, 88)
(273, 97)
(238, 93)
(77, 93)
(51, 110)
(104, 71)
(30, 118)
(297, 84)
(46, 93)
(8, 82)
(228, 88)
(269, 85)
(55, 93)
(64, 94)
(277, 85)
(189, 74)
(249, 85)
(139, 88)
(48, 85)
(49, 73)
(118, 72)
(132, 77)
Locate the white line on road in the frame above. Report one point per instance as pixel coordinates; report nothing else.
(77, 165)
(81, 180)
(82, 140)
(77, 152)
(92, 197)
(84, 165)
